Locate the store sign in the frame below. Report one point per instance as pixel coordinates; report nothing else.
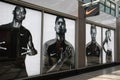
(92, 10)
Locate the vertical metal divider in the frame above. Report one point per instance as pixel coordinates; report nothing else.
(76, 39)
(115, 45)
(101, 45)
(85, 47)
(76, 42)
(81, 36)
(41, 58)
(77, 50)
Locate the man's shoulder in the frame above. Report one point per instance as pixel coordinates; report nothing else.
(5, 26)
(68, 44)
(50, 42)
(88, 44)
(22, 28)
(98, 45)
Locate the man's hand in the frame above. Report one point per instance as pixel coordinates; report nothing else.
(29, 51)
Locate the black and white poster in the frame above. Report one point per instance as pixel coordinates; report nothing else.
(93, 45)
(20, 40)
(58, 44)
(108, 45)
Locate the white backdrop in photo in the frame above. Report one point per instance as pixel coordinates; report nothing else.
(49, 31)
(33, 23)
(88, 34)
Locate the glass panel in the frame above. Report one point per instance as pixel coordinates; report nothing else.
(108, 3)
(102, 7)
(119, 8)
(86, 1)
(119, 11)
(112, 12)
(112, 5)
(107, 10)
(102, 1)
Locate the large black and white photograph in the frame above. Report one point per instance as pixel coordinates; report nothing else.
(58, 44)
(20, 40)
(108, 45)
(93, 45)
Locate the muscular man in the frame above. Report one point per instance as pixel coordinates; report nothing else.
(17, 41)
(93, 49)
(58, 53)
(107, 49)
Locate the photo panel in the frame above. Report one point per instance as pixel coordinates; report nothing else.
(20, 41)
(93, 45)
(108, 45)
(58, 44)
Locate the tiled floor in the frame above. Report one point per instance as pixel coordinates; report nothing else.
(112, 73)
